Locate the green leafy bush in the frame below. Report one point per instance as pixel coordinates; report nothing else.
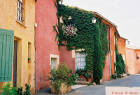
(8, 90)
(27, 90)
(72, 79)
(84, 73)
(20, 91)
(114, 76)
(80, 72)
(120, 65)
(62, 75)
(87, 75)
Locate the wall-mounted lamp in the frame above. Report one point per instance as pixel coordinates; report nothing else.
(35, 25)
(61, 1)
(94, 20)
(70, 18)
(61, 19)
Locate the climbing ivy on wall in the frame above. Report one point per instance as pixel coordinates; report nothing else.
(120, 65)
(90, 37)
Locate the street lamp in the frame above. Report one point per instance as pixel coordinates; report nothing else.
(94, 20)
(61, 1)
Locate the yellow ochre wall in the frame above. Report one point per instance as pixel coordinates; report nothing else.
(24, 34)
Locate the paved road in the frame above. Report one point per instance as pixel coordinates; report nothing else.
(130, 81)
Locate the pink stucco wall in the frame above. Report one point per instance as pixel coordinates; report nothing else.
(66, 58)
(45, 40)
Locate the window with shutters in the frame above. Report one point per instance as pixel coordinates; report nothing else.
(80, 60)
(6, 55)
(20, 11)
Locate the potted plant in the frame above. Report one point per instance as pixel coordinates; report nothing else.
(61, 80)
(88, 76)
(90, 79)
(81, 73)
(9, 90)
(29, 60)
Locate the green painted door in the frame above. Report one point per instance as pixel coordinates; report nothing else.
(6, 54)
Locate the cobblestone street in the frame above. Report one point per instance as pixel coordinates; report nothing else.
(130, 81)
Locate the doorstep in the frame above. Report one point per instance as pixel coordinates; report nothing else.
(77, 86)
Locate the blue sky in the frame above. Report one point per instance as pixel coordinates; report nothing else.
(124, 13)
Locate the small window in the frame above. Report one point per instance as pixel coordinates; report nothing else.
(114, 57)
(123, 57)
(80, 60)
(53, 63)
(137, 57)
(20, 11)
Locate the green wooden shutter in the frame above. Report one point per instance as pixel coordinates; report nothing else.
(6, 54)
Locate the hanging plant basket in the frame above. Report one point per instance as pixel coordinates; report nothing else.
(69, 30)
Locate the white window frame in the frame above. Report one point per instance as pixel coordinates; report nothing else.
(123, 58)
(57, 58)
(82, 67)
(20, 10)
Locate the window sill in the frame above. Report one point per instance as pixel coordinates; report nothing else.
(22, 24)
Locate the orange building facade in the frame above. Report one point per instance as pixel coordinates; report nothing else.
(109, 68)
(133, 60)
(121, 44)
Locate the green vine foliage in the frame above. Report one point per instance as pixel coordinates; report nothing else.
(120, 65)
(89, 36)
(8, 90)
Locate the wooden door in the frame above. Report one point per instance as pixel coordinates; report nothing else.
(15, 65)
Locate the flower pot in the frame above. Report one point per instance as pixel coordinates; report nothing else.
(89, 79)
(82, 77)
(29, 61)
(63, 89)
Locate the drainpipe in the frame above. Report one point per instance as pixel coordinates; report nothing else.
(35, 57)
(109, 53)
(35, 26)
